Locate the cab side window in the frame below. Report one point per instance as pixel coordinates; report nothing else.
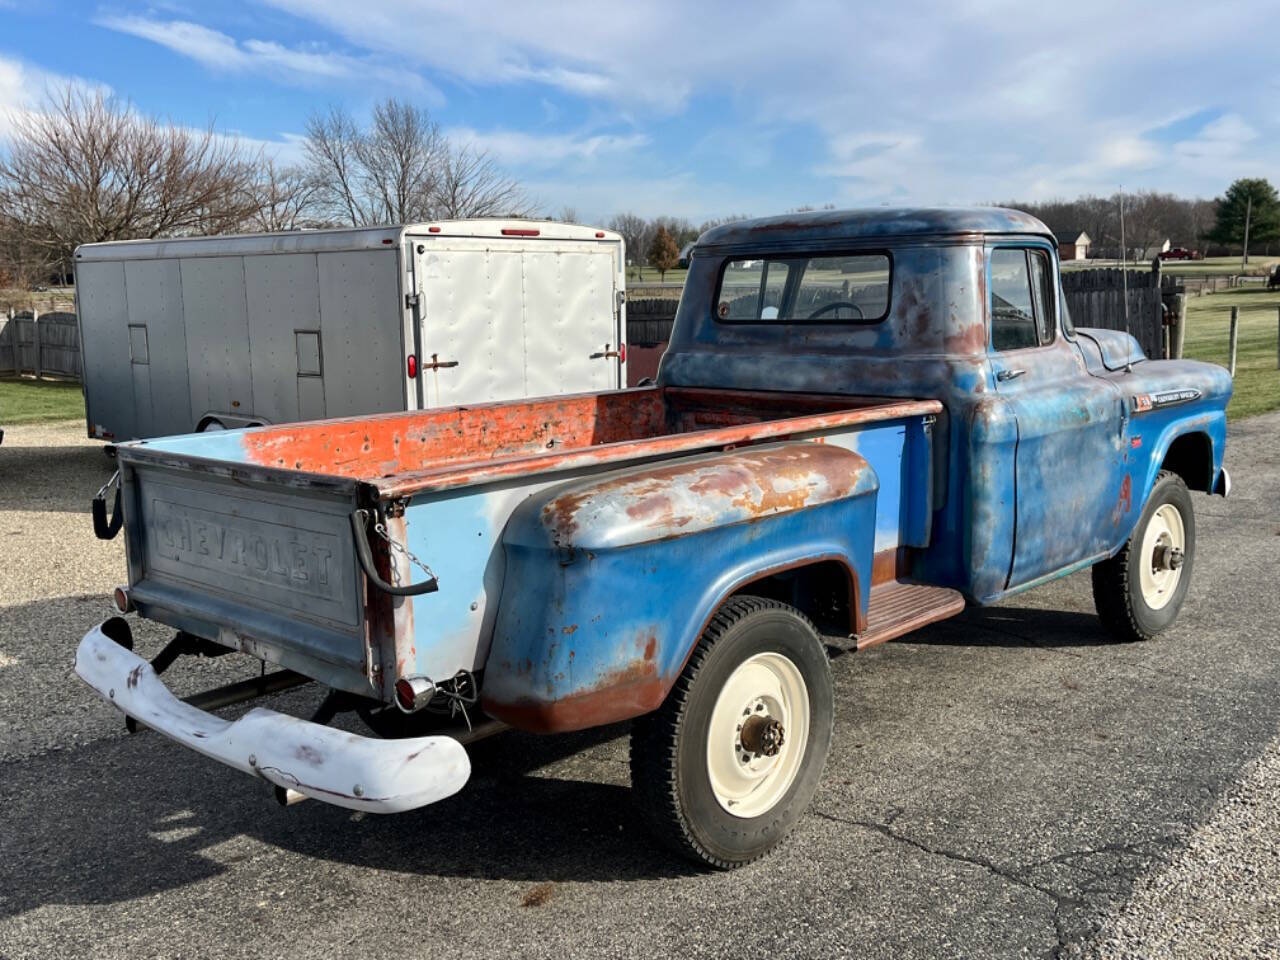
(1021, 299)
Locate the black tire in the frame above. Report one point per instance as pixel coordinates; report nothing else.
(1117, 587)
(669, 768)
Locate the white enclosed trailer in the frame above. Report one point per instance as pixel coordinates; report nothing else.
(206, 333)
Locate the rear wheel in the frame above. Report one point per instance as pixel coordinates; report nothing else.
(725, 768)
(1140, 590)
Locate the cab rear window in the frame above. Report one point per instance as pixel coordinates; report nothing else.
(842, 288)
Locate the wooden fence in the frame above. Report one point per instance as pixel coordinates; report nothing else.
(1096, 298)
(42, 344)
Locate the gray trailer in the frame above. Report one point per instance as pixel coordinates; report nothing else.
(202, 333)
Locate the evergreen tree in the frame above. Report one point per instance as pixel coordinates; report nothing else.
(1254, 198)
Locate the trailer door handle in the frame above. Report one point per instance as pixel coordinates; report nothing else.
(365, 554)
(605, 353)
(1004, 375)
(438, 364)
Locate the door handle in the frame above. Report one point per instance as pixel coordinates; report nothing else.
(438, 364)
(1003, 375)
(601, 355)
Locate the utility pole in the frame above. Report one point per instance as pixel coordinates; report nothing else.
(1248, 213)
(1124, 270)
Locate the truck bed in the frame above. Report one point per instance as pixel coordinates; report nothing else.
(401, 454)
(244, 537)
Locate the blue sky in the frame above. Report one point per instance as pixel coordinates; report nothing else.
(708, 108)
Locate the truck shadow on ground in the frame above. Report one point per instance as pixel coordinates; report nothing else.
(1005, 626)
(123, 819)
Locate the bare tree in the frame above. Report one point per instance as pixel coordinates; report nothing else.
(332, 150)
(472, 186)
(402, 169)
(681, 230)
(401, 156)
(717, 221)
(284, 198)
(89, 168)
(633, 229)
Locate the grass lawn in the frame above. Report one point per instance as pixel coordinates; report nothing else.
(1209, 267)
(1218, 266)
(1208, 327)
(39, 401)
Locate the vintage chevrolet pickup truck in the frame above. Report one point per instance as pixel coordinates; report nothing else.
(864, 421)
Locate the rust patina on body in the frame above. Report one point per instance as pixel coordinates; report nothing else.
(579, 546)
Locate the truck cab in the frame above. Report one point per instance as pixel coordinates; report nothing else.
(1051, 437)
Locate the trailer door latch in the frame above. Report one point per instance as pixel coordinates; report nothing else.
(438, 364)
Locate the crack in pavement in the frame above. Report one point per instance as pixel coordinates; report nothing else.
(1014, 875)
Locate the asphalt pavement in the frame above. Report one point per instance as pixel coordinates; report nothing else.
(1006, 784)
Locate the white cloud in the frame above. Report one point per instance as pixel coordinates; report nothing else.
(1228, 136)
(23, 86)
(218, 51)
(910, 102)
(981, 100)
(1127, 152)
(516, 148)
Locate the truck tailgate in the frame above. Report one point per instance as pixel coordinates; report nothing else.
(259, 560)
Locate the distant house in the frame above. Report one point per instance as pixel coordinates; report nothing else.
(684, 254)
(1073, 244)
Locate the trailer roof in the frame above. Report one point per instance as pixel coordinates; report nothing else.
(875, 223)
(346, 238)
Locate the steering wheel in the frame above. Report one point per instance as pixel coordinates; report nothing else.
(835, 305)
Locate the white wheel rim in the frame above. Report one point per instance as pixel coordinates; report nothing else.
(770, 687)
(1157, 578)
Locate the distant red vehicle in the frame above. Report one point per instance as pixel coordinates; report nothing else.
(1178, 253)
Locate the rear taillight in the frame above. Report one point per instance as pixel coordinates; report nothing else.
(414, 693)
(519, 232)
(412, 366)
(124, 603)
(622, 353)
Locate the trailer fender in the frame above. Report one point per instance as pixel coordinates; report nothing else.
(610, 579)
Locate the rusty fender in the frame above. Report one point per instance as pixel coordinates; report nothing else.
(610, 579)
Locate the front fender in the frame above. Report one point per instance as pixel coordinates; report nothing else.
(610, 580)
(1168, 399)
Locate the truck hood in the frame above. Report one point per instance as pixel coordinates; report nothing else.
(1112, 348)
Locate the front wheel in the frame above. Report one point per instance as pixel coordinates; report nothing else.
(1140, 590)
(726, 766)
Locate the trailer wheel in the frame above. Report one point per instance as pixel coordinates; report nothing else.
(1140, 590)
(726, 766)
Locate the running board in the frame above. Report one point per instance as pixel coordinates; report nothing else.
(897, 608)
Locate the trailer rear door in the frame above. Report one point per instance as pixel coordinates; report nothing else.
(507, 319)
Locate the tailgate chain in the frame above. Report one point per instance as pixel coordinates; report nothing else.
(380, 529)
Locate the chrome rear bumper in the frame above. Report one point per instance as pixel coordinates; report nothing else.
(361, 773)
